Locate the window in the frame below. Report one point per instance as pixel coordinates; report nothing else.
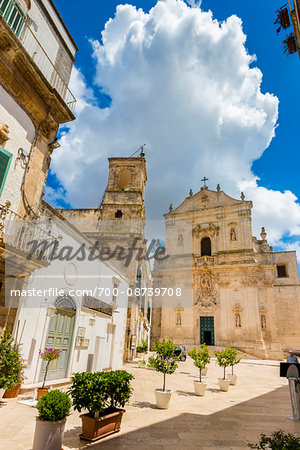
(119, 214)
(5, 160)
(13, 15)
(205, 247)
(281, 271)
(180, 239)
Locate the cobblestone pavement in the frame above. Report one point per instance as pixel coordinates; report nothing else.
(258, 403)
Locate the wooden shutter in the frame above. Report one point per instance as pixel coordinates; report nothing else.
(5, 159)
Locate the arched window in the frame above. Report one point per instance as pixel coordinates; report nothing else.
(180, 239)
(205, 246)
(124, 179)
(65, 302)
(119, 214)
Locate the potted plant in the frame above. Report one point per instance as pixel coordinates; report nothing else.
(223, 360)
(103, 394)
(289, 44)
(279, 440)
(165, 362)
(48, 355)
(12, 367)
(143, 349)
(53, 408)
(282, 19)
(201, 358)
(233, 356)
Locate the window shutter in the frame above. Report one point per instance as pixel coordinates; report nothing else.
(5, 159)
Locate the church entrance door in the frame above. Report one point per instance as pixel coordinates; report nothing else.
(207, 332)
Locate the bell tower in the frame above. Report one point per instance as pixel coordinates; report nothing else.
(124, 194)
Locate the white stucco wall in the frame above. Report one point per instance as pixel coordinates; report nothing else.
(21, 135)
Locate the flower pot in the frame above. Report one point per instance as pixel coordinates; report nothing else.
(41, 392)
(200, 387)
(48, 435)
(232, 379)
(204, 372)
(13, 392)
(291, 43)
(224, 385)
(1, 393)
(94, 429)
(163, 398)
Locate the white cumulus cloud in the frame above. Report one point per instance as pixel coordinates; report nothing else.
(183, 84)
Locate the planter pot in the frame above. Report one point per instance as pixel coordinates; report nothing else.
(12, 393)
(232, 379)
(200, 387)
(291, 42)
(1, 393)
(41, 392)
(94, 429)
(204, 372)
(162, 398)
(224, 385)
(48, 435)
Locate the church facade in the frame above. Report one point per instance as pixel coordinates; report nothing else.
(226, 286)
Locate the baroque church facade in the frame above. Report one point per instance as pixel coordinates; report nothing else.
(227, 287)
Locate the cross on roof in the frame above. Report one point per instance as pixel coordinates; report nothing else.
(204, 180)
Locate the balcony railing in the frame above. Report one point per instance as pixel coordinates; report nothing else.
(17, 21)
(19, 233)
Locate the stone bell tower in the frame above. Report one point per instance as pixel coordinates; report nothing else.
(124, 194)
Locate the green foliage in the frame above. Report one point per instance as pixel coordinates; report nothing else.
(201, 357)
(165, 360)
(53, 406)
(143, 348)
(12, 364)
(278, 440)
(233, 356)
(99, 390)
(223, 358)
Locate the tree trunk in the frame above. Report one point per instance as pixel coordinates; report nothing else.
(224, 373)
(200, 375)
(45, 376)
(164, 386)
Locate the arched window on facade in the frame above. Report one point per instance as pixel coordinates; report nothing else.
(205, 246)
(180, 239)
(118, 214)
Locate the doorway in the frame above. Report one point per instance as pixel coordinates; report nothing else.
(59, 336)
(207, 332)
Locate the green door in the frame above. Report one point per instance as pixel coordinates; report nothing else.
(60, 335)
(207, 331)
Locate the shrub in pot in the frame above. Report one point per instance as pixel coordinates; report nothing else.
(233, 356)
(53, 408)
(201, 358)
(103, 394)
(223, 360)
(165, 362)
(279, 440)
(48, 355)
(12, 366)
(143, 349)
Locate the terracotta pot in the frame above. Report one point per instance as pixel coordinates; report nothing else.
(13, 392)
(41, 392)
(1, 393)
(232, 379)
(94, 429)
(224, 385)
(163, 398)
(48, 435)
(200, 387)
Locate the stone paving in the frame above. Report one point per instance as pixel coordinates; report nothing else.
(259, 403)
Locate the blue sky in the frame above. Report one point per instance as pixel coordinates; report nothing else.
(280, 73)
(278, 166)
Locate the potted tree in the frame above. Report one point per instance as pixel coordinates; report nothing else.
(165, 362)
(103, 394)
(143, 349)
(223, 360)
(53, 408)
(48, 355)
(233, 357)
(12, 367)
(279, 440)
(201, 358)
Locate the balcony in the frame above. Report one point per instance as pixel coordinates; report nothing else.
(204, 261)
(16, 236)
(16, 20)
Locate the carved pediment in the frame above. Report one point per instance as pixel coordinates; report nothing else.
(210, 230)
